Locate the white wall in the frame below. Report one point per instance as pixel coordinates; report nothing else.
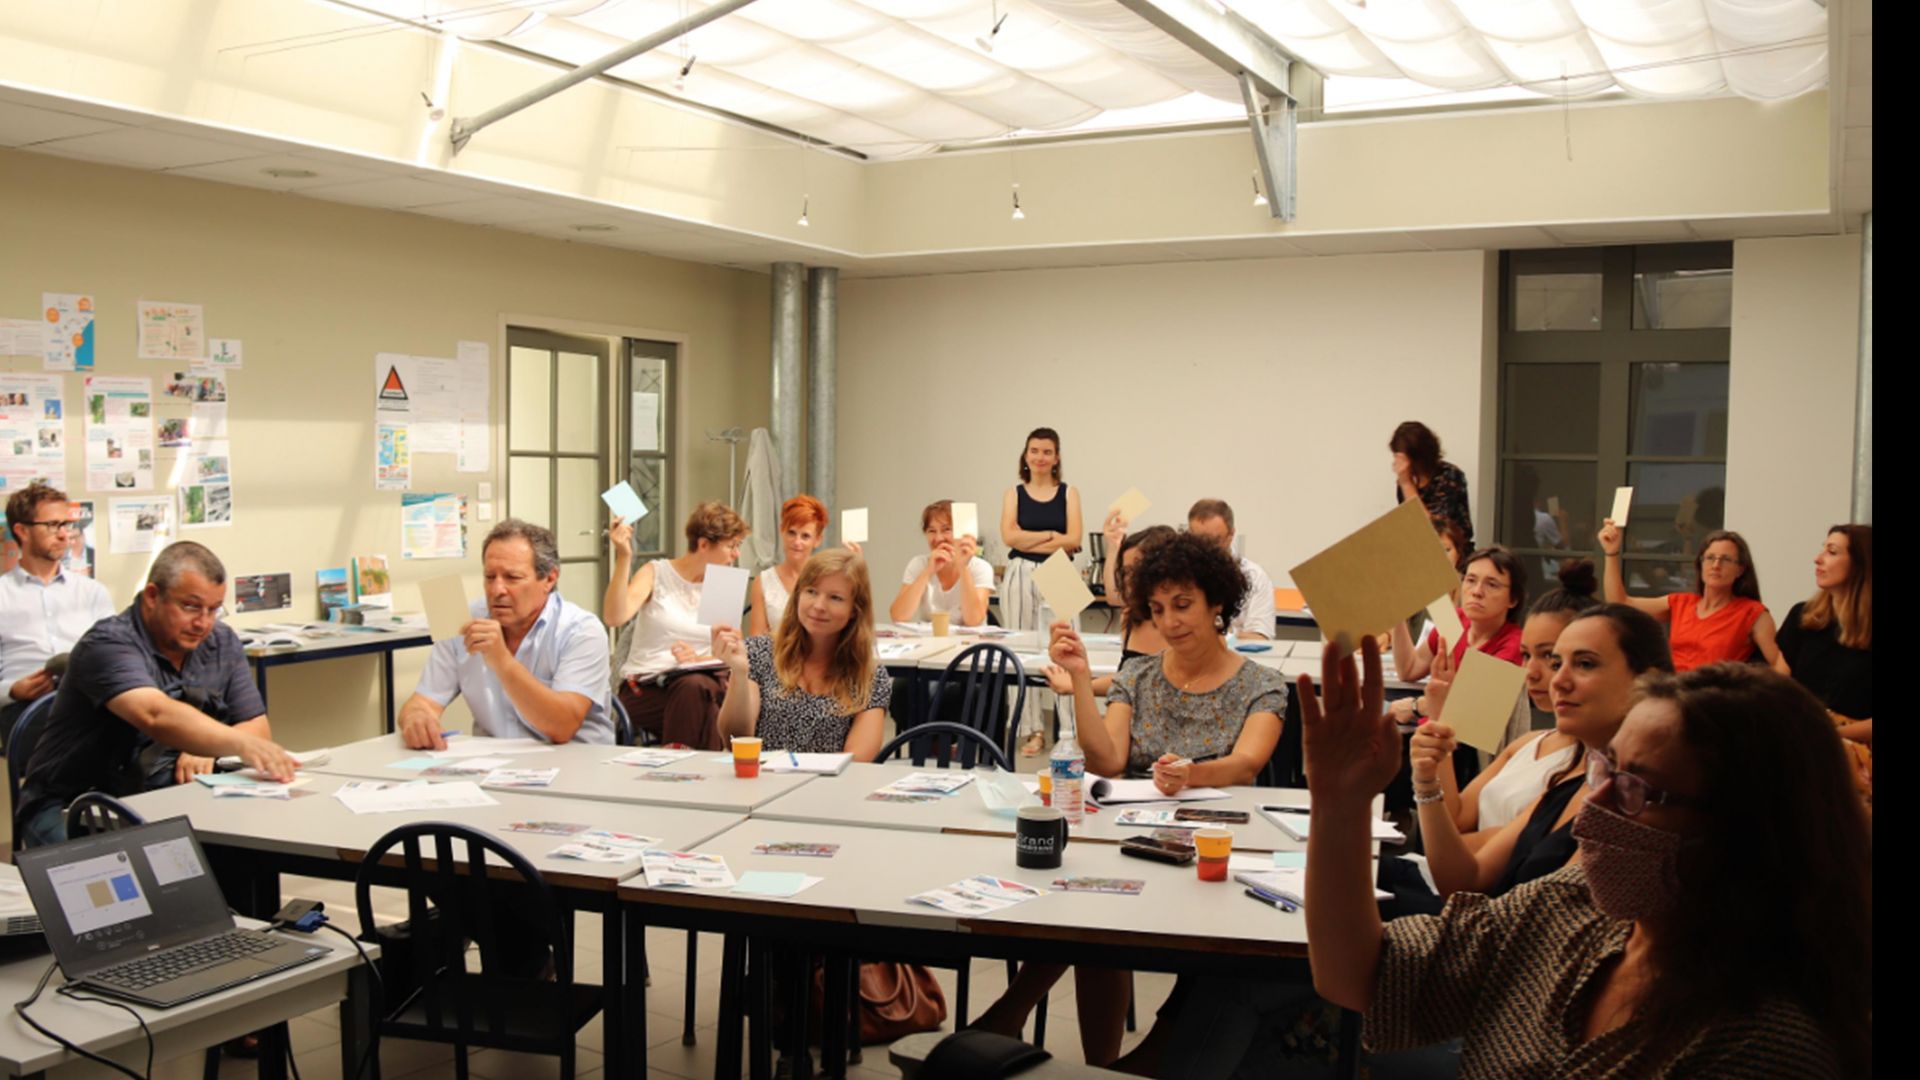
(1273, 384)
(1796, 329)
(314, 289)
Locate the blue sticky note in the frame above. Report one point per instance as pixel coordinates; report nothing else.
(624, 502)
(770, 883)
(1290, 860)
(416, 764)
(223, 779)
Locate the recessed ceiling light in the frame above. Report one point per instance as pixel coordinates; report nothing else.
(291, 174)
(594, 228)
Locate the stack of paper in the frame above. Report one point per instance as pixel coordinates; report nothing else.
(17, 915)
(823, 764)
(650, 757)
(244, 786)
(522, 778)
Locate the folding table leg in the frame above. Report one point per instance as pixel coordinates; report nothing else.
(733, 962)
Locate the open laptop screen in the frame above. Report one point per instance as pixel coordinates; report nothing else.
(112, 897)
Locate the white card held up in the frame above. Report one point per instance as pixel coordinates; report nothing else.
(445, 601)
(1444, 617)
(723, 596)
(1130, 506)
(1482, 699)
(966, 519)
(624, 502)
(853, 526)
(1060, 584)
(1622, 502)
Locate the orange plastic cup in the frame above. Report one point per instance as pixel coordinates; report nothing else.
(1214, 846)
(746, 756)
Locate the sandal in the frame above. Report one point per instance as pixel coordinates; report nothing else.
(1034, 745)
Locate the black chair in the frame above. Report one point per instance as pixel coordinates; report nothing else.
(986, 675)
(98, 812)
(20, 743)
(622, 723)
(942, 743)
(446, 1002)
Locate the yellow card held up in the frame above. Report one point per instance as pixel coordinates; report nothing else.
(966, 520)
(853, 526)
(1131, 505)
(445, 601)
(1622, 502)
(1389, 569)
(1481, 701)
(1060, 584)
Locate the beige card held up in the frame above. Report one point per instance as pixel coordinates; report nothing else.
(445, 601)
(966, 520)
(1060, 585)
(1387, 570)
(1482, 699)
(1444, 617)
(1622, 502)
(1130, 506)
(853, 526)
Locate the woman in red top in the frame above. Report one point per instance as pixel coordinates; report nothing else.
(1493, 594)
(1721, 620)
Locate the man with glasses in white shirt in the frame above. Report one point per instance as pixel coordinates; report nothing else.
(165, 670)
(43, 607)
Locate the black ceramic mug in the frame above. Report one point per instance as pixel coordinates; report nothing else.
(1039, 838)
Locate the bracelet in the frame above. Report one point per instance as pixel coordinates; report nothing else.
(1425, 798)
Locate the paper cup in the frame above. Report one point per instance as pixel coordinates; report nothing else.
(1214, 846)
(746, 756)
(942, 624)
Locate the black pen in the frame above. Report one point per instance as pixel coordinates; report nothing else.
(1280, 902)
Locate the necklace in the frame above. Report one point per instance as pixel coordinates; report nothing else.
(1186, 685)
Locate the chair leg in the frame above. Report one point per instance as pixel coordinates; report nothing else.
(567, 1060)
(211, 1069)
(460, 1061)
(1040, 1023)
(693, 964)
(855, 1051)
(726, 1055)
(760, 994)
(799, 994)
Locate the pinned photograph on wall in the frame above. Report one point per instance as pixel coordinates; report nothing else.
(79, 558)
(195, 387)
(966, 519)
(262, 592)
(140, 524)
(176, 432)
(206, 506)
(208, 463)
(853, 526)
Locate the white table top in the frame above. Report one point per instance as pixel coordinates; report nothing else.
(107, 1030)
(869, 879)
(585, 774)
(313, 823)
(843, 800)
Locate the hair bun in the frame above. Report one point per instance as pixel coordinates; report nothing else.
(1578, 577)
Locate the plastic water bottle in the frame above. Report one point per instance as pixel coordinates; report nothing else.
(1069, 777)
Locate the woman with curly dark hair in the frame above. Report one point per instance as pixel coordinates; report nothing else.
(1198, 714)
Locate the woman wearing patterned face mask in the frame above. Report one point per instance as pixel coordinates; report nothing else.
(1718, 920)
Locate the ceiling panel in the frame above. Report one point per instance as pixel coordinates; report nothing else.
(143, 148)
(21, 125)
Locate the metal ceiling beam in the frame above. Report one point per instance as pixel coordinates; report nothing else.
(465, 127)
(1272, 80)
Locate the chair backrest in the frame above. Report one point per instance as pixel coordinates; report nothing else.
(945, 743)
(451, 874)
(98, 812)
(20, 743)
(622, 723)
(988, 675)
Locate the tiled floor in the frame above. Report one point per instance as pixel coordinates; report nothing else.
(316, 1036)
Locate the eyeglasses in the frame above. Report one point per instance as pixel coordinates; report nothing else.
(56, 526)
(1631, 794)
(193, 609)
(1721, 560)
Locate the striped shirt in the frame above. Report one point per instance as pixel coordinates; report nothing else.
(1513, 977)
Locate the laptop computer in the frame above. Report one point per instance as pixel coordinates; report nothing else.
(136, 914)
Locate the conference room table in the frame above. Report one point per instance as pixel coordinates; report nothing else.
(339, 643)
(315, 835)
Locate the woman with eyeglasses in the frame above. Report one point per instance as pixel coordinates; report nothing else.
(1718, 920)
(1721, 619)
(1493, 593)
(1595, 661)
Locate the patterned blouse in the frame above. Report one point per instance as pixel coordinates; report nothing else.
(796, 720)
(1512, 976)
(1445, 496)
(1167, 720)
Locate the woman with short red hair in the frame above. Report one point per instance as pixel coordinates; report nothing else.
(803, 524)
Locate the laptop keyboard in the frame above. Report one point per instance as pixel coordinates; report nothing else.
(184, 959)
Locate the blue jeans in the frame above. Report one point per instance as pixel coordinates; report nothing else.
(41, 823)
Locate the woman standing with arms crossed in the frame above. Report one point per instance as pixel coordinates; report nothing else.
(1038, 516)
(1721, 619)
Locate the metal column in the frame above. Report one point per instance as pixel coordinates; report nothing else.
(1863, 402)
(823, 334)
(789, 283)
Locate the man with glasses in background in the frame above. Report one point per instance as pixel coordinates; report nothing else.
(43, 608)
(166, 669)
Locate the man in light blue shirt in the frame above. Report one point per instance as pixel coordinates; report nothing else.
(43, 608)
(530, 664)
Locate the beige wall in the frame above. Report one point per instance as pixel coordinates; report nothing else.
(1796, 330)
(314, 290)
(1272, 384)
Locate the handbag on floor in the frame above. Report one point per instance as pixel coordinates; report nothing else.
(894, 1000)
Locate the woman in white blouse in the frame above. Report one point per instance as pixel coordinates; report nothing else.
(665, 593)
(951, 577)
(803, 524)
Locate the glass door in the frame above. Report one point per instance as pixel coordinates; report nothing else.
(557, 449)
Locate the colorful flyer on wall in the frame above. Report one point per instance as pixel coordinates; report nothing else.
(392, 457)
(140, 524)
(119, 433)
(69, 340)
(433, 526)
(171, 331)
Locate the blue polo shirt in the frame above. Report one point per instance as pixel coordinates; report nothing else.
(85, 747)
(566, 650)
